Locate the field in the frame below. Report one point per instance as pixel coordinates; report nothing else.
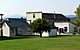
(37, 43)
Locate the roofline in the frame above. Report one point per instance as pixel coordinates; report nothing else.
(62, 22)
(41, 12)
(53, 13)
(34, 12)
(65, 22)
(15, 18)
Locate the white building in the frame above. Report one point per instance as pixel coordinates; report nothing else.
(15, 26)
(65, 28)
(63, 24)
(31, 16)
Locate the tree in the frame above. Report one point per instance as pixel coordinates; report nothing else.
(77, 21)
(39, 26)
(77, 12)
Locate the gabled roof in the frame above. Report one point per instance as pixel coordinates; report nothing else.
(17, 22)
(56, 17)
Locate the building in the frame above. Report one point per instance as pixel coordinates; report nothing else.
(63, 24)
(15, 26)
(0, 27)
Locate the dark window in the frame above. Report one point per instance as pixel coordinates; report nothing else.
(33, 15)
(61, 30)
(57, 28)
(12, 30)
(65, 29)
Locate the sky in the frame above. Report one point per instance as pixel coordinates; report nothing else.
(12, 7)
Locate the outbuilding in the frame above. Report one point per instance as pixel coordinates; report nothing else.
(15, 26)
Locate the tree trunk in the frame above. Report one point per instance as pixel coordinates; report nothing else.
(40, 34)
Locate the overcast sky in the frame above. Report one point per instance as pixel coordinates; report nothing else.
(11, 7)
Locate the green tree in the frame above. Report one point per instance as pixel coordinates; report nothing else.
(39, 26)
(77, 20)
(77, 12)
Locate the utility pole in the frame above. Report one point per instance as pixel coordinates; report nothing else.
(1, 25)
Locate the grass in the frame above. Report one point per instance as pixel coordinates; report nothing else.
(37, 43)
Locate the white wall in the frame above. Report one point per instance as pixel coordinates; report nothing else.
(52, 32)
(70, 27)
(6, 30)
(35, 34)
(62, 25)
(30, 16)
(45, 34)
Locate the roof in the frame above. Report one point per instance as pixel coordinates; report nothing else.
(55, 17)
(17, 22)
(34, 12)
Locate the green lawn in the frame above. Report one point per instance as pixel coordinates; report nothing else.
(37, 43)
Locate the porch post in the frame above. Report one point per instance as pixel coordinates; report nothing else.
(1, 24)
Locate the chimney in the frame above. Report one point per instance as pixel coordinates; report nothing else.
(21, 17)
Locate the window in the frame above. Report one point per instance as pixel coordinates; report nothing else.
(33, 15)
(12, 30)
(57, 28)
(61, 30)
(20, 30)
(65, 29)
(75, 29)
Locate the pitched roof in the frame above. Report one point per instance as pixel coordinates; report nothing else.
(56, 17)
(17, 22)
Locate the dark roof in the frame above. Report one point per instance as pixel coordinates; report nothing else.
(17, 22)
(56, 17)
